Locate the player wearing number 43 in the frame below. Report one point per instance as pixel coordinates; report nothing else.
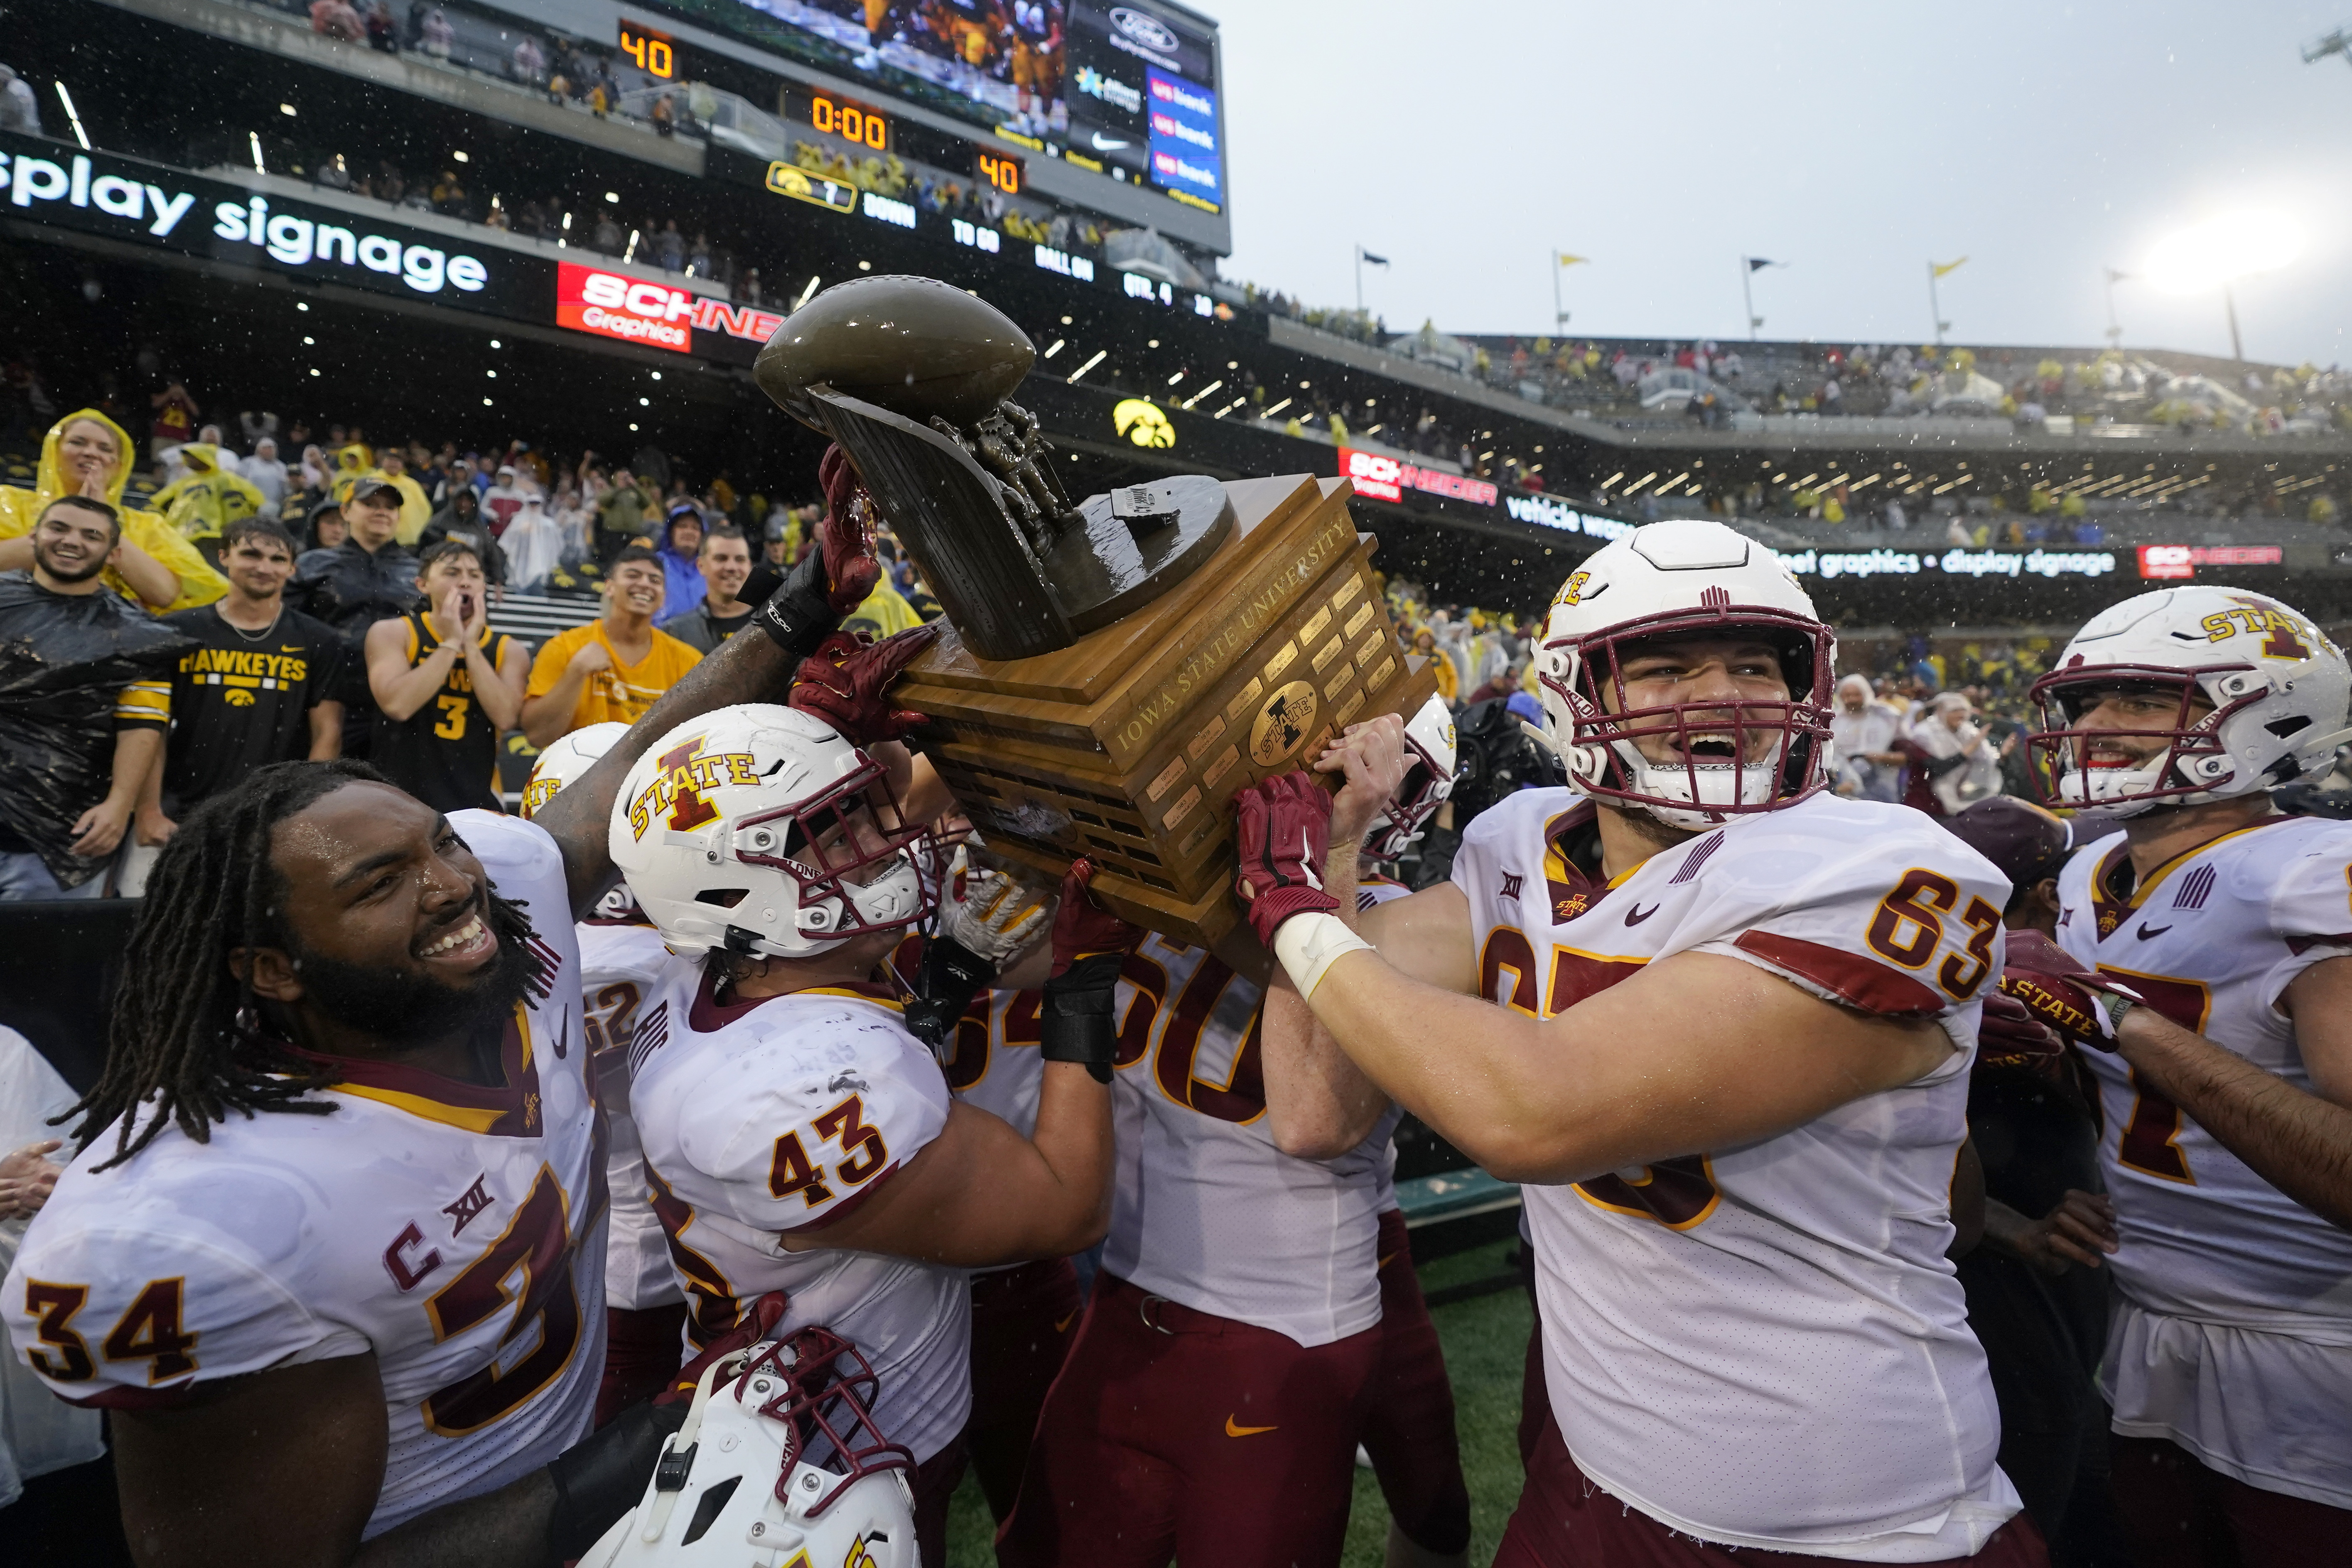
(797, 1137)
(2227, 1100)
(1720, 1022)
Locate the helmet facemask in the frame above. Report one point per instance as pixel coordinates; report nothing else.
(858, 862)
(1724, 757)
(2192, 766)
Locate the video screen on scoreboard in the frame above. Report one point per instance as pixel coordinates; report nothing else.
(1142, 93)
(996, 62)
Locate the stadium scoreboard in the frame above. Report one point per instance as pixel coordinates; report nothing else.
(1126, 93)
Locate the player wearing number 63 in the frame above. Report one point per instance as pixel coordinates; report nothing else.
(1720, 1022)
(2227, 1100)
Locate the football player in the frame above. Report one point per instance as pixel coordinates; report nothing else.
(1228, 1362)
(988, 1040)
(2226, 1141)
(1720, 1023)
(797, 1137)
(330, 1253)
(621, 956)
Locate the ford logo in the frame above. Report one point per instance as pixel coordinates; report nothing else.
(1144, 28)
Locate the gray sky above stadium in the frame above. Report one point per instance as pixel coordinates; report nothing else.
(1854, 142)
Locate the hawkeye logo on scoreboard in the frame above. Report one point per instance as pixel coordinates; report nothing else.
(616, 305)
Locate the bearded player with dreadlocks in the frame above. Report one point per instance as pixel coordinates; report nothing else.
(331, 1253)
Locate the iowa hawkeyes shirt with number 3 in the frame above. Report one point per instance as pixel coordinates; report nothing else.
(1764, 1345)
(455, 1231)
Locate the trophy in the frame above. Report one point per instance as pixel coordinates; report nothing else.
(1114, 669)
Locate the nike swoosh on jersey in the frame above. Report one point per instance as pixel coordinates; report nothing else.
(1062, 1323)
(2147, 935)
(1637, 914)
(1234, 1431)
(289, 647)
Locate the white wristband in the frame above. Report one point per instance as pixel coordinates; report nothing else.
(1310, 943)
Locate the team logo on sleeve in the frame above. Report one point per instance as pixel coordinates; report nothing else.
(687, 770)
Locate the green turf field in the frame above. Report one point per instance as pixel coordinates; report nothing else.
(1486, 1345)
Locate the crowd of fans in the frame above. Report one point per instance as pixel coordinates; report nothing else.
(167, 625)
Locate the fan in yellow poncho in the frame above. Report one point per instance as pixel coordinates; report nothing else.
(85, 453)
(210, 497)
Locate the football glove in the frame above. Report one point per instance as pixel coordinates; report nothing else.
(1076, 1021)
(835, 577)
(843, 682)
(1282, 837)
(2080, 1005)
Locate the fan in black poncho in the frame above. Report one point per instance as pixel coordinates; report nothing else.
(78, 666)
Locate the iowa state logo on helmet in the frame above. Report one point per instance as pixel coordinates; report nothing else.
(687, 771)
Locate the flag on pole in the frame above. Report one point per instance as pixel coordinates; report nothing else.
(1368, 256)
(1568, 260)
(1941, 268)
(1758, 264)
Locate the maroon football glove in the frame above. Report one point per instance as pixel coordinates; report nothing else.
(1282, 833)
(1083, 927)
(844, 681)
(757, 1322)
(2060, 992)
(2011, 1036)
(846, 533)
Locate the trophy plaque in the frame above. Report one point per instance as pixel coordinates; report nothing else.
(1114, 669)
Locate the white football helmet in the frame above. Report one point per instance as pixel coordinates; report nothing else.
(2277, 687)
(1687, 578)
(777, 1455)
(565, 760)
(1428, 780)
(758, 830)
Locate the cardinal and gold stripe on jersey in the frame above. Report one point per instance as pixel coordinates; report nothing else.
(2234, 1334)
(1764, 1346)
(453, 1231)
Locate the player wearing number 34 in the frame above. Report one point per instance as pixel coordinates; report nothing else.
(1720, 1022)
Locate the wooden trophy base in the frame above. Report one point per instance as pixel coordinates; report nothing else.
(1128, 746)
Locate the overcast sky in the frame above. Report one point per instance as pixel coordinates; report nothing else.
(1852, 141)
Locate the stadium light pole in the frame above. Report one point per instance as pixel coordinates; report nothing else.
(2219, 251)
(1363, 256)
(2115, 331)
(1748, 266)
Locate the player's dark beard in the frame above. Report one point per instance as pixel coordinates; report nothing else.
(402, 1007)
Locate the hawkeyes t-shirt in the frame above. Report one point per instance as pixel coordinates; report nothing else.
(242, 698)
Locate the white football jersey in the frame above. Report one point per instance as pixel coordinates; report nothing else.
(783, 1114)
(621, 961)
(1764, 1346)
(2212, 939)
(1206, 1211)
(453, 1231)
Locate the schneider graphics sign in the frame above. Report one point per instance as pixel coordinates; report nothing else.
(130, 199)
(658, 315)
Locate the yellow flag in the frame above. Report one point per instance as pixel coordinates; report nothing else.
(1943, 267)
(1568, 260)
